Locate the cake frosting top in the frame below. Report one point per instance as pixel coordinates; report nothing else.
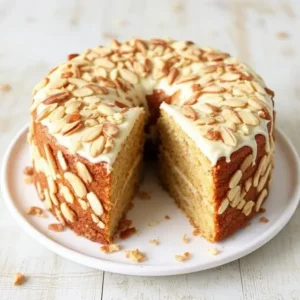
(91, 102)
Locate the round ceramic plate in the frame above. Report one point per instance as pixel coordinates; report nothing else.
(149, 218)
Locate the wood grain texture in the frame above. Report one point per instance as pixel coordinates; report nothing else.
(35, 35)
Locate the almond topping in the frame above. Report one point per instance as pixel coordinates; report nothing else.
(76, 183)
(104, 62)
(260, 199)
(83, 172)
(18, 278)
(95, 203)
(70, 128)
(56, 98)
(67, 212)
(173, 75)
(187, 79)
(45, 113)
(213, 89)
(189, 112)
(228, 136)
(213, 135)
(97, 146)
(235, 179)
(129, 76)
(230, 77)
(110, 129)
(92, 133)
(223, 206)
(246, 163)
(248, 118)
(248, 208)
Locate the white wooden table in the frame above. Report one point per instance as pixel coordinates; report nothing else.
(35, 35)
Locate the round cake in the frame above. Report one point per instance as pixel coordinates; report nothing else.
(209, 115)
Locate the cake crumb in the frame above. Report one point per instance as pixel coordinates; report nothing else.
(185, 239)
(167, 217)
(56, 227)
(183, 257)
(35, 211)
(108, 35)
(125, 234)
(143, 195)
(110, 248)
(264, 220)
(154, 242)
(196, 232)
(135, 255)
(153, 223)
(18, 278)
(282, 35)
(5, 87)
(28, 179)
(124, 224)
(214, 251)
(28, 171)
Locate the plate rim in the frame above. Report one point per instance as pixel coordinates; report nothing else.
(140, 269)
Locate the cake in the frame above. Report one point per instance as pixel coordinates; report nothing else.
(209, 116)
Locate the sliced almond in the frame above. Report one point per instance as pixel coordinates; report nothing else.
(83, 204)
(50, 160)
(173, 75)
(209, 69)
(66, 193)
(248, 208)
(129, 76)
(95, 203)
(259, 171)
(215, 56)
(67, 212)
(105, 110)
(97, 146)
(260, 199)
(241, 204)
(232, 193)
(235, 102)
(61, 160)
(57, 114)
(213, 89)
(248, 118)
(246, 163)
(83, 172)
(228, 77)
(47, 201)
(228, 136)
(76, 183)
(110, 129)
(213, 134)
(83, 92)
(51, 185)
(104, 62)
(223, 206)
(185, 79)
(235, 179)
(92, 133)
(99, 90)
(77, 82)
(263, 180)
(56, 98)
(45, 113)
(231, 115)
(248, 184)
(40, 85)
(189, 112)
(70, 128)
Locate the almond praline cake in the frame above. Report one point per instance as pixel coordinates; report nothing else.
(213, 116)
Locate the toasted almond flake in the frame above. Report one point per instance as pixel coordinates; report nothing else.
(232, 193)
(248, 184)
(71, 118)
(76, 183)
(56, 227)
(92, 133)
(67, 212)
(246, 163)
(213, 89)
(83, 172)
(173, 75)
(236, 200)
(66, 193)
(83, 92)
(189, 112)
(57, 114)
(51, 185)
(231, 115)
(72, 55)
(40, 85)
(135, 255)
(212, 134)
(18, 278)
(50, 160)
(228, 136)
(235, 179)
(99, 90)
(110, 130)
(183, 257)
(247, 209)
(129, 76)
(241, 204)
(35, 211)
(56, 98)
(258, 87)
(260, 169)
(105, 63)
(105, 110)
(47, 201)
(228, 77)
(95, 203)
(248, 118)
(70, 128)
(185, 79)
(54, 198)
(260, 199)
(215, 56)
(77, 82)
(110, 248)
(209, 69)
(223, 206)
(263, 180)
(45, 113)
(235, 102)
(97, 146)
(101, 51)
(61, 160)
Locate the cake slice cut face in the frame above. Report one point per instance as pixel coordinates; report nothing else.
(213, 115)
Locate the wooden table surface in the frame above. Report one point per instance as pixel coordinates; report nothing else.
(35, 35)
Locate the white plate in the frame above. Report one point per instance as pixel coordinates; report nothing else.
(280, 206)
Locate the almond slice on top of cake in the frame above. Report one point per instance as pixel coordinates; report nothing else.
(91, 115)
